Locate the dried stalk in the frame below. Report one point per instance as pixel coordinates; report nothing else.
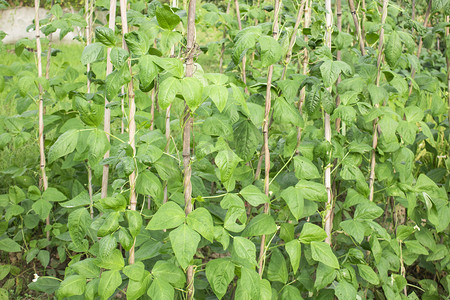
(131, 122)
(447, 19)
(375, 122)
(244, 58)
(190, 48)
(107, 115)
(266, 136)
(329, 208)
(222, 50)
(357, 27)
(419, 49)
(339, 57)
(41, 105)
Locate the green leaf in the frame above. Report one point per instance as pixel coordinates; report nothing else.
(169, 215)
(304, 168)
(53, 195)
(368, 274)
(201, 221)
(109, 282)
(137, 289)
(148, 184)
(168, 89)
(172, 65)
(345, 290)
(260, 225)
(92, 53)
(107, 245)
(138, 43)
(87, 268)
(322, 252)
(312, 190)
(271, 51)
(218, 94)
(324, 276)
(415, 247)
(245, 249)
(294, 199)
(64, 145)
(247, 138)
(226, 161)
(105, 36)
(290, 292)
(312, 233)
(161, 289)
(393, 49)
(251, 281)
(353, 228)
(4, 271)
(219, 272)
(147, 70)
(135, 271)
(8, 245)
(217, 125)
(166, 18)
(253, 195)
(98, 145)
(116, 202)
(119, 57)
(192, 89)
(134, 222)
(42, 208)
(78, 224)
(277, 270)
(72, 285)
(46, 285)
(285, 113)
(110, 225)
(294, 250)
(169, 272)
(367, 211)
(330, 71)
(184, 244)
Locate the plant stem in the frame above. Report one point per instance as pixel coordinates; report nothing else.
(359, 34)
(375, 122)
(41, 105)
(190, 48)
(107, 115)
(329, 209)
(266, 136)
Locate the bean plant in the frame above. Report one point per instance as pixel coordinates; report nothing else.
(233, 150)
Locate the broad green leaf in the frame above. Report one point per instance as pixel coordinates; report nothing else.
(345, 290)
(86, 268)
(105, 36)
(285, 113)
(46, 285)
(271, 51)
(184, 244)
(53, 195)
(125, 239)
(367, 210)
(201, 221)
(247, 138)
(393, 49)
(217, 125)
(330, 71)
(312, 233)
(324, 276)
(113, 261)
(64, 145)
(312, 190)
(294, 250)
(161, 289)
(169, 215)
(415, 247)
(42, 208)
(277, 270)
(109, 282)
(294, 199)
(245, 249)
(368, 274)
(138, 43)
(305, 169)
(166, 18)
(134, 222)
(322, 252)
(78, 224)
(168, 89)
(226, 161)
(192, 89)
(260, 225)
(353, 228)
(72, 285)
(98, 145)
(172, 65)
(290, 292)
(253, 195)
(147, 70)
(8, 245)
(169, 272)
(92, 53)
(137, 289)
(110, 225)
(135, 271)
(148, 184)
(250, 280)
(116, 202)
(220, 273)
(119, 57)
(219, 95)
(107, 245)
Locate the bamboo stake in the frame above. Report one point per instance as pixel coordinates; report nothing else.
(190, 48)
(88, 40)
(447, 19)
(329, 209)
(339, 57)
(244, 58)
(41, 105)
(419, 49)
(222, 50)
(107, 115)
(131, 122)
(266, 136)
(375, 122)
(357, 27)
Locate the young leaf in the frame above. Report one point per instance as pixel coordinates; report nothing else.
(245, 249)
(134, 222)
(368, 274)
(72, 285)
(105, 36)
(260, 225)
(201, 221)
(219, 272)
(312, 233)
(304, 168)
(169, 215)
(109, 282)
(64, 145)
(168, 89)
(147, 70)
(78, 224)
(294, 199)
(277, 270)
(169, 272)
(137, 42)
(92, 53)
(161, 289)
(219, 95)
(294, 250)
(166, 18)
(393, 49)
(184, 244)
(253, 195)
(271, 51)
(192, 89)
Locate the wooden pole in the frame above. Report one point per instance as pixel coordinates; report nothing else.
(357, 27)
(244, 58)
